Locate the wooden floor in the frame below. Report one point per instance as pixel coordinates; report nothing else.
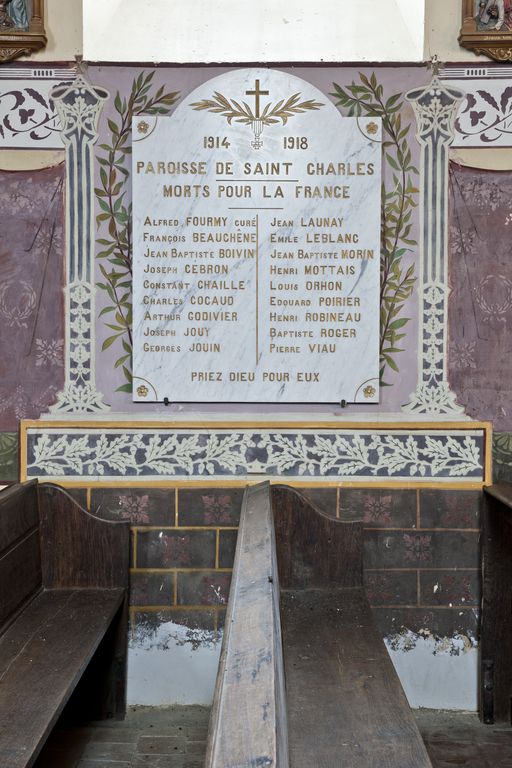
(175, 737)
(160, 737)
(456, 739)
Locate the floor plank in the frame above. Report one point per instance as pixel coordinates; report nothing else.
(452, 738)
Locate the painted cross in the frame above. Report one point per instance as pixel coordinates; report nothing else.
(257, 93)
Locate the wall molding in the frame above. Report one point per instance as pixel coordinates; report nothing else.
(113, 452)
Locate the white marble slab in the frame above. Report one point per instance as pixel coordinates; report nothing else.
(256, 261)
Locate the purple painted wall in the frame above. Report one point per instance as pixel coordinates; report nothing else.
(480, 318)
(31, 292)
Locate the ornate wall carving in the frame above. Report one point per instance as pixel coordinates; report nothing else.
(79, 105)
(435, 107)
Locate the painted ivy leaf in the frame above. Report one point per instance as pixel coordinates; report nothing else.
(486, 96)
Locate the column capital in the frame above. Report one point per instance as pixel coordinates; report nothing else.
(435, 106)
(79, 106)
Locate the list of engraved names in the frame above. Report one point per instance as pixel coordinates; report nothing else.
(256, 248)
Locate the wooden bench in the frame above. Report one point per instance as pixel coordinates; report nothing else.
(63, 616)
(304, 679)
(496, 624)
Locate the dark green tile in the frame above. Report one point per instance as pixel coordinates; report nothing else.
(391, 587)
(450, 588)
(421, 549)
(151, 588)
(176, 549)
(450, 509)
(141, 506)
(227, 547)
(9, 460)
(379, 508)
(209, 506)
(211, 588)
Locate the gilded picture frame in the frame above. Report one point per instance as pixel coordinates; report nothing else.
(487, 28)
(21, 28)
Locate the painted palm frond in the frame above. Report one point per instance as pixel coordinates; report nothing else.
(233, 110)
(283, 110)
(228, 108)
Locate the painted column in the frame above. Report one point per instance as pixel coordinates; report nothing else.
(79, 106)
(435, 107)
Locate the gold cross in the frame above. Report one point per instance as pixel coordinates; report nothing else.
(257, 93)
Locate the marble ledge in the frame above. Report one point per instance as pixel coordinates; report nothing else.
(203, 418)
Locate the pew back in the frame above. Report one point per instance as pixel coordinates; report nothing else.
(496, 628)
(20, 557)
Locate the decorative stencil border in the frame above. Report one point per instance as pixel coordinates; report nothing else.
(418, 454)
(28, 118)
(485, 115)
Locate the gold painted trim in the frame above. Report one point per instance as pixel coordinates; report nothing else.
(194, 483)
(500, 159)
(15, 42)
(411, 484)
(23, 452)
(488, 455)
(422, 570)
(212, 528)
(186, 607)
(463, 426)
(407, 529)
(408, 606)
(223, 606)
(14, 159)
(174, 608)
(177, 571)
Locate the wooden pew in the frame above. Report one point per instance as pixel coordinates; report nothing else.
(63, 616)
(496, 624)
(329, 696)
(248, 718)
(346, 706)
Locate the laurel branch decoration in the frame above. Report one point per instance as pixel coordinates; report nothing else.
(242, 113)
(399, 199)
(114, 220)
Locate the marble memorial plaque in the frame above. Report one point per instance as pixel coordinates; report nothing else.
(256, 246)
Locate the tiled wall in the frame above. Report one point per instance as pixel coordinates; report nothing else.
(183, 545)
(421, 553)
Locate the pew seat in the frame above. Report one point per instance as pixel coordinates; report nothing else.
(63, 616)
